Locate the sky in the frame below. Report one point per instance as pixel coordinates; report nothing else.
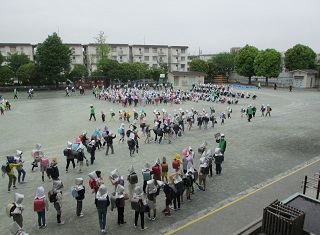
(214, 26)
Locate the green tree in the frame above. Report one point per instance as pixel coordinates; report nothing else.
(16, 60)
(268, 64)
(107, 65)
(53, 58)
(1, 58)
(102, 48)
(154, 73)
(26, 73)
(224, 63)
(199, 65)
(128, 71)
(244, 60)
(5, 75)
(300, 57)
(79, 70)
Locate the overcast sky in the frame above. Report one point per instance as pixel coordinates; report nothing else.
(213, 25)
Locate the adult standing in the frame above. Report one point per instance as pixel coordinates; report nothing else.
(249, 112)
(222, 143)
(109, 139)
(15, 94)
(92, 113)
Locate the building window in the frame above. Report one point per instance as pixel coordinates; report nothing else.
(12, 49)
(154, 58)
(154, 50)
(146, 58)
(183, 66)
(146, 50)
(183, 51)
(73, 59)
(21, 49)
(183, 58)
(114, 49)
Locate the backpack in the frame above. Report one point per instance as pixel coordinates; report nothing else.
(164, 167)
(121, 181)
(89, 148)
(135, 203)
(204, 170)
(93, 183)
(103, 203)
(156, 170)
(52, 196)
(175, 164)
(128, 133)
(44, 161)
(10, 208)
(120, 130)
(54, 172)
(180, 187)
(38, 204)
(220, 157)
(133, 178)
(8, 168)
(146, 175)
(74, 192)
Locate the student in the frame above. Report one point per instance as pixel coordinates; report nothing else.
(57, 203)
(41, 205)
(20, 169)
(140, 210)
(11, 175)
(81, 195)
(102, 202)
(132, 179)
(17, 212)
(120, 204)
(54, 169)
(146, 173)
(70, 157)
(169, 193)
(164, 170)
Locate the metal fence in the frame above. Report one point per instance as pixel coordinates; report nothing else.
(280, 219)
(311, 186)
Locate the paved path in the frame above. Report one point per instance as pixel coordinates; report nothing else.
(256, 153)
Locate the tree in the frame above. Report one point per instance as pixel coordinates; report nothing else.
(53, 58)
(128, 71)
(107, 65)
(154, 73)
(268, 64)
(1, 59)
(79, 70)
(26, 73)
(199, 65)
(244, 60)
(5, 75)
(223, 63)
(102, 48)
(300, 57)
(16, 60)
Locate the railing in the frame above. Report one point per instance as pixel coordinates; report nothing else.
(311, 186)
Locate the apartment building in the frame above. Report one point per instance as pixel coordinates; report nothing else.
(120, 52)
(19, 48)
(77, 56)
(178, 58)
(152, 55)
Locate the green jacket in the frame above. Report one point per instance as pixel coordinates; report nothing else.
(92, 110)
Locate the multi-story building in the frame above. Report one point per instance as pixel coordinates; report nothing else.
(235, 49)
(120, 52)
(77, 56)
(152, 55)
(25, 48)
(178, 58)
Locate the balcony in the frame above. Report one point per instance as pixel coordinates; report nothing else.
(121, 52)
(161, 53)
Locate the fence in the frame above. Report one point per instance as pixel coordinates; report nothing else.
(280, 219)
(311, 186)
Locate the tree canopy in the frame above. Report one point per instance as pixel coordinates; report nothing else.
(53, 58)
(199, 65)
(79, 70)
(300, 57)
(16, 60)
(222, 63)
(1, 58)
(267, 64)
(26, 73)
(5, 75)
(244, 60)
